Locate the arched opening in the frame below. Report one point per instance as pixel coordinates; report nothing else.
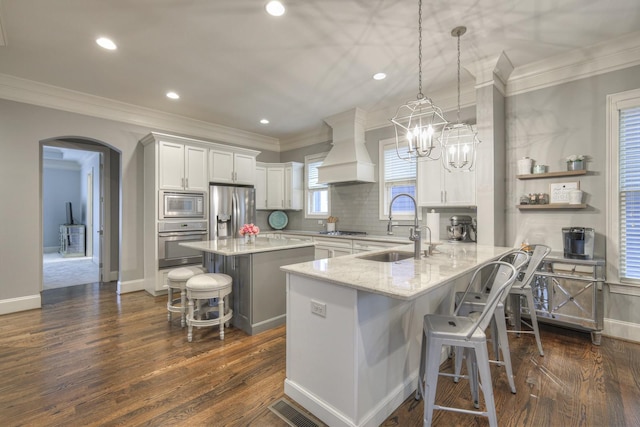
(80, 211)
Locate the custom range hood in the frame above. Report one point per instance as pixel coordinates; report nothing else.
(348, 161)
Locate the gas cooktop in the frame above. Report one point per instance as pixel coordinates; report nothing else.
(344, 233)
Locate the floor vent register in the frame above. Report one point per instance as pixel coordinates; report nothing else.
(292, 416)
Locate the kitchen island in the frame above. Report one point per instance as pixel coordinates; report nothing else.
(259, 293)
(354, 328)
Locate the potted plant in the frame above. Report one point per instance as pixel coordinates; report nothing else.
(575, 162)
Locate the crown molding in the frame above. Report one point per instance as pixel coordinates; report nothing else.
(61, 164)
(612, 55)
(43, 95)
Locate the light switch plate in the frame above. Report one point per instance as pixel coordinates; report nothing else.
(319, 308)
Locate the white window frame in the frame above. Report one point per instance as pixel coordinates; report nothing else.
(308, 192)
(615, 103)
(383, 188)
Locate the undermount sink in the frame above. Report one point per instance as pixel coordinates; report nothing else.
(389, 256)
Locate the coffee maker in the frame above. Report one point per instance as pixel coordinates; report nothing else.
(578, 242)
(462, 229)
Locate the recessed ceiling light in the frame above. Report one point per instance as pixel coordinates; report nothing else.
(264, 121)
(106, 43)
(275, 8)
(173, 95)
(379, 76)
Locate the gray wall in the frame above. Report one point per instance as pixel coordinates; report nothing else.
(548, 125)
(59, 185)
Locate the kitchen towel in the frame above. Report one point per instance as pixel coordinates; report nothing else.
(433, 222)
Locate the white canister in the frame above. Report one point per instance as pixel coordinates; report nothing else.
(331, 226)
(524, 166)
(575, 197)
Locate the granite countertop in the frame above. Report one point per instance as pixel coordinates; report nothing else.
(406, 279)
(230, 247)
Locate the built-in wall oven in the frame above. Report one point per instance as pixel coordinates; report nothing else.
(171, 234)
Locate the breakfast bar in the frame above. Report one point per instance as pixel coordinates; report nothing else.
(354, 327)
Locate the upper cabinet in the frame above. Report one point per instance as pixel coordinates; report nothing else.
(182, 167)
(179, 163)
(261, 186)
(438, 187)
(233, 167)
(283, 188)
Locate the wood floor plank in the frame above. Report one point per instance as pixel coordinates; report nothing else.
(90, 357)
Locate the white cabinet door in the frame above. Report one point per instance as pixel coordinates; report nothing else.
(439, 187)
(460, 188)
(261, 186)
(171, 166)
(220, 166)
(321, 253)
(275, 187)
(196, 168)
(293, 186)
(245, 169)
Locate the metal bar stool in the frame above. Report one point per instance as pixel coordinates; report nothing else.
(177, 279)
(522, 288)
(202, 288)
(474, 302)
(468, 333)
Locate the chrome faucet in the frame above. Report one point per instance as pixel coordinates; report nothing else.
(414, 233)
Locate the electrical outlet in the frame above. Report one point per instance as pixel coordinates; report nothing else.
(319, 222)
(319, 308)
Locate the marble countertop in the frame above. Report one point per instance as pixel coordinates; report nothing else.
(394, 238)
(230, 247)
(406, 279)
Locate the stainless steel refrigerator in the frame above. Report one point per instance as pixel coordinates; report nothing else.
(230, 207)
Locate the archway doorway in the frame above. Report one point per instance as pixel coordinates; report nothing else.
(80, 193)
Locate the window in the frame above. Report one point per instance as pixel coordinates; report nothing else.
(397, 176)
(623, 212)
(318, 203)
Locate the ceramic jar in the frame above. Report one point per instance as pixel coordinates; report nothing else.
(524, 166)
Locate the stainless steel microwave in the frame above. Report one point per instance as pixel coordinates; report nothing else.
(181, 205)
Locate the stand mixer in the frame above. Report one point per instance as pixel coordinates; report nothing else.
(462, 229)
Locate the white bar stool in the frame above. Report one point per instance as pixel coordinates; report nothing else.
(177, 279)
(206, 287)
(466, 332)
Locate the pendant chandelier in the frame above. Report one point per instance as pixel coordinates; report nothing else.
(459, 140)
(419, 124)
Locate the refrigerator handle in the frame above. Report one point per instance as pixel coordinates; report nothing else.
(235, 213)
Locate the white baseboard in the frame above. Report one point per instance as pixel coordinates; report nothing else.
(13, 305)
(130, 286)
(622, 330)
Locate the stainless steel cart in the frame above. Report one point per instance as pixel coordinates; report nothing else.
(568, 292)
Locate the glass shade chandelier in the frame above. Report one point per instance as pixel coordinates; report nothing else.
(459, 140)
(418, 124)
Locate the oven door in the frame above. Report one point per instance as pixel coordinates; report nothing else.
(171, 254)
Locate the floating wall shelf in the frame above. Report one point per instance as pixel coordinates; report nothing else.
(552, 174)
(551, 206)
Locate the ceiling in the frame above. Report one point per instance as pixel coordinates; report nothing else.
(233, 64)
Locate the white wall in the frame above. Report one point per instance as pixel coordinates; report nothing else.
(59, 185)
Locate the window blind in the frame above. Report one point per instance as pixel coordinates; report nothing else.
(313, 174)
(629, 193)
(396, 169)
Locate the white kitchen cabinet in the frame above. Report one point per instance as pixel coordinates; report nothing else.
(275, 187)
(261, 186)
(328, 247)
(226, 166)
(284, 185)
(438, 187)
(182, 167)
(294, 186)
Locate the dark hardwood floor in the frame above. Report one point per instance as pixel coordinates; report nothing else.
(90, 357)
